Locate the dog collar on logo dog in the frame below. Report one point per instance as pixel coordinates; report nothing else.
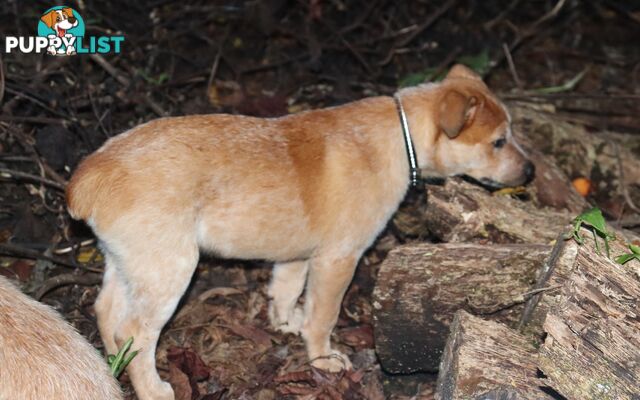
(408, 143)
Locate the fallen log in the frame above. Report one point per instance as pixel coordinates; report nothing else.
(461, 212)
(554, 274)
(487, 360)
(421, 286)
(592, 347)
(573, 147)
(609, 159)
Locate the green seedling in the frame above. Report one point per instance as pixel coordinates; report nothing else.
(153, 80)
(635, 253)
(565, 87)
(479, 62)
(594, 221)
(119, 362)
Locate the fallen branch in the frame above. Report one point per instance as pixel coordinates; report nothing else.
(18, 175)
(11, 250)
(422, 27)
(67, 279)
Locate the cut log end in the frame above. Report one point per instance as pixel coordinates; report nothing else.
(420, 287)
(487, 360)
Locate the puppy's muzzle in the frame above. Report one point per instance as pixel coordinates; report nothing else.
(529, 172)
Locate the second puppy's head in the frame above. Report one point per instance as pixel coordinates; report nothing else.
(473, 133)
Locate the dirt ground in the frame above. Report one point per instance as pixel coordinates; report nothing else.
(269, 58)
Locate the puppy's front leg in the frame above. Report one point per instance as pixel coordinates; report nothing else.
(328, 280)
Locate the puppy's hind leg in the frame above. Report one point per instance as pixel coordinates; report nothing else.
(156, 280)
(287, 283)
(111, 303)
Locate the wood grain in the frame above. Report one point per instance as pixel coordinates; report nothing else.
(487, 360)
(421, 286)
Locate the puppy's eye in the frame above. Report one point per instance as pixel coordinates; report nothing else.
(499, 143)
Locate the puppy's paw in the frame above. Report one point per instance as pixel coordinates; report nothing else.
(164, 392)
(294, 323)
(156, 391)
(291, 324)
(71, 50)
(274, 318)
(335, 362)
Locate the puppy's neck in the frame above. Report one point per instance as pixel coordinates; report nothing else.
(419, 104)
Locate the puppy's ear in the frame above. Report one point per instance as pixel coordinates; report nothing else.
(461, 71)
(456, 111)
(49, 18)
(68, 12)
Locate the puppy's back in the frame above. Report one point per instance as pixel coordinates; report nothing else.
(43, 357)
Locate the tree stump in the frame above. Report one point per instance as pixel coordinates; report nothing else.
(421, 286)
(487, 360)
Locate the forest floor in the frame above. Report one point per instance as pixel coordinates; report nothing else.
(270, 58)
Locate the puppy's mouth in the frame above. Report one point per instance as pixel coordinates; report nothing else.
(61, 32)
(486, 183)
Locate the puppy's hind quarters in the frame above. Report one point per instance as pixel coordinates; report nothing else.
(78, 195)
(93, 181)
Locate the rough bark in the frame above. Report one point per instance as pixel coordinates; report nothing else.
(592, 348)
(553, 275)
(551, 187)
(462, 212)
(550, 278)
(487, 360)
(421, 286)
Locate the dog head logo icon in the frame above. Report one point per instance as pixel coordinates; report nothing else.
(62, 26)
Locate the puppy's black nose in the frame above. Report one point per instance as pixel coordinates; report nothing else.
(72, 20)
(529, 171)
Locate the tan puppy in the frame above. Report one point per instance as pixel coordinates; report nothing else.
(43, 357)
(309, 191)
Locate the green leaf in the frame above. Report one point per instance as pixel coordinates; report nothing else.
(130, 358)
(479, 62)
(626, 257)
(635, 249)
(412, 79)
(120, 361)
(124, 363)
(594, 218)
(426, 75)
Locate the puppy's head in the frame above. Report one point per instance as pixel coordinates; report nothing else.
(474, 133)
